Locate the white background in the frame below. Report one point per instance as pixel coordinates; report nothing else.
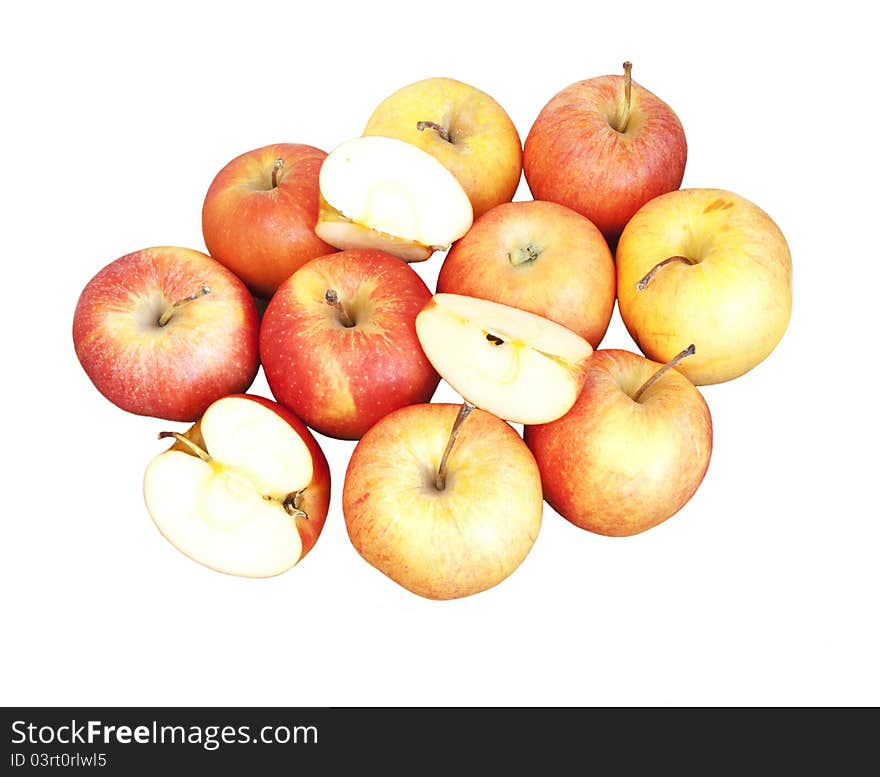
(761, 591)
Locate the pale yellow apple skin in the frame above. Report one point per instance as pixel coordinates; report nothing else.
(618, 467)
(484, 151)
(451, 543)
(733, 303)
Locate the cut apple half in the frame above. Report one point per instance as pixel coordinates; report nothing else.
(387, 194)
(228, 493)
(518, 365)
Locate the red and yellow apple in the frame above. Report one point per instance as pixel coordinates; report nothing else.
(444, 503)
(165, 331)
(386, 194)
(259, 214)
(244, 491)
(518, 365)
(538, 256)
(631, 452)
(705, 266)
(604, 147)
(464, 128)
(338, 341)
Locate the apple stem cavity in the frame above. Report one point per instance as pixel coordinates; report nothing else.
(276, 168)
(439, 129)
(293, 505)
(463, 412)
(172, 309)
(524, 254)
(689, 351)
(643, 283)
(183, 440)
(332, 299)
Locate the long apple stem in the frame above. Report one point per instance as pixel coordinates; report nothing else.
(627, 96)
(643, 283)
(689, 351)
(332, 299)
(172, 309)
(197, 449)
(441, 131)
(276, 168)
(463, 412)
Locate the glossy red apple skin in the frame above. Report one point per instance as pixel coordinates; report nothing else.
(264, 233)
(208, 348)
(572, 280)
(574, 156)
(341, 380)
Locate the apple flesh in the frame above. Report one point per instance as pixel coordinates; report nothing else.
(537, 256)
(709, 267)
(165, 331)
(452, 539)
(338, 341)
(604, 147)
(522, 367)
(259, 214)
(631, 452)
(384, 193)
(245, 491)
(462, 127)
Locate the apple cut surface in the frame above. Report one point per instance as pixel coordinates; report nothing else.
(518, 365)
(386, 193)
(230, 500)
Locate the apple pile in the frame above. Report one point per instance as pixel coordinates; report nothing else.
(310, 273)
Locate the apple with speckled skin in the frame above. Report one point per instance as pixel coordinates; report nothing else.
(259, 214)
(338, 341)
(464, 128)
(632, 451)
(537, 256)
(445, 500)
(165, 331)
(604, 147)
(710, 267)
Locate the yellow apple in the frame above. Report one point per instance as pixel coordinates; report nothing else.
(704, 266)
(464, 128)
(444, 503)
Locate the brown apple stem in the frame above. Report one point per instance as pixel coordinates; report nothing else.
(441, 131)
(172, 309)
(463, 412)
(276, 168)
(643, 283)
(627, 96)
(332, 299)
(197, 449)
(689, 351)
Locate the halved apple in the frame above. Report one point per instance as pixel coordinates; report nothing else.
(515, 364)
(387, 194)
(244, 491)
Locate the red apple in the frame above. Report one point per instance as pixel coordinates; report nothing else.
(604, 147)
(338, 341)
(244, 491)
(633, 449)
(259, 214)
(165, 331)
(538, 256)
